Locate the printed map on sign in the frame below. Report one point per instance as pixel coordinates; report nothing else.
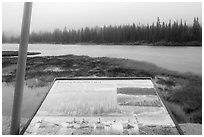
(102, 107)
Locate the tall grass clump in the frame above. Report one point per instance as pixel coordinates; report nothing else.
(189, 96)
(178, 112)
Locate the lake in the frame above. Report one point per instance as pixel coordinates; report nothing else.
(181, 59)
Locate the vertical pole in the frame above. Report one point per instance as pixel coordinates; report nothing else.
(20, 74)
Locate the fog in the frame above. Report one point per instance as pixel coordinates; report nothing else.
(49, 16)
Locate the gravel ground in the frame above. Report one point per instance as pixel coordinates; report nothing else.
(191, 128)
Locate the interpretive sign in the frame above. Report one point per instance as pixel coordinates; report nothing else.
(102, 106)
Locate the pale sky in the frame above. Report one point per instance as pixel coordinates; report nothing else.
(49, 16)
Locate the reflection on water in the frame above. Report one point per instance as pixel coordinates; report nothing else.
(32, 97)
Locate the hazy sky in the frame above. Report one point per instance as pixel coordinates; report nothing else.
(48, 16)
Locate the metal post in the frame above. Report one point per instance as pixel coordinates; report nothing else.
(20, 74)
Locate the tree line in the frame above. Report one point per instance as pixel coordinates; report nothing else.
(177, 32)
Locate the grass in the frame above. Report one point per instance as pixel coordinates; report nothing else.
(184, 90)
(183, 117)
(141, 100)
(189, 97)
(167, 82)
(178, 112)
(136, 91)
(81, 104)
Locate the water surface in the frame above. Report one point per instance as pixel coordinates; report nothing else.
(182, 59)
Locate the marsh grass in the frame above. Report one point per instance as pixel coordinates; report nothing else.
(136, 91)
(140, 100)
(178, 112)
(81, 104)
(189, 97)
(187, 92)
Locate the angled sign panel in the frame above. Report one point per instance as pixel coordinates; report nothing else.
(102, 106)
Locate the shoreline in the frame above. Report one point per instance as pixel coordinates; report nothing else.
(194, 69)
(159, 44)
(15, 53)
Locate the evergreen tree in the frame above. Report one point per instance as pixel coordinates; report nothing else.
(156, 32)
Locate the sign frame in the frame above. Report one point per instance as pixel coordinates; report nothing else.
(106, 78)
